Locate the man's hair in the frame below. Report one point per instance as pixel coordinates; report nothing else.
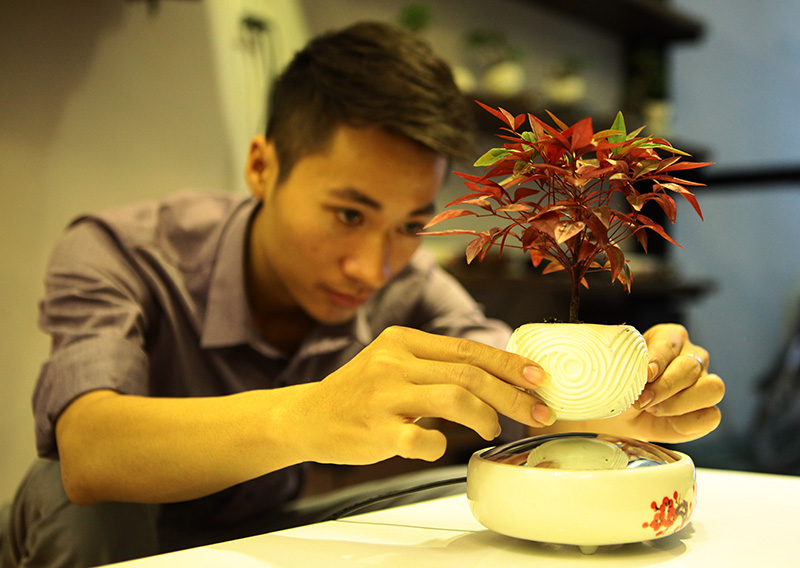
(367, 75)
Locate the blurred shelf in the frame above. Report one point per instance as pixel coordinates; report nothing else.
(731, 179)
(653, 21)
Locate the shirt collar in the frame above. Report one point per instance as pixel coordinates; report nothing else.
(228, 320)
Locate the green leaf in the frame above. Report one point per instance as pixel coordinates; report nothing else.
(491, 157)
(619, 125)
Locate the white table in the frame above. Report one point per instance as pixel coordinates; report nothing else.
(741, 519)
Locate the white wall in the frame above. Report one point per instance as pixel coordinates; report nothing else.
(103, 102)
(736, 94)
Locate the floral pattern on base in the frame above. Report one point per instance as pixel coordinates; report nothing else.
(668, 512)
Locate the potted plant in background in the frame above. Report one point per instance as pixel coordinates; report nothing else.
(568, 196)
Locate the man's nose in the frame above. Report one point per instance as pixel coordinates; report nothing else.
(369, 263)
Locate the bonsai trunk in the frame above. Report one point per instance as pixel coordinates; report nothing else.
(574, 302)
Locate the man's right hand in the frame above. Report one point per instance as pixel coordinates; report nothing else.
(366, 411)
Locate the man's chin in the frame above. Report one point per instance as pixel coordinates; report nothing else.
(334, 317)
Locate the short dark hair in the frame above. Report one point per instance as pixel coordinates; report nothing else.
(370, 74)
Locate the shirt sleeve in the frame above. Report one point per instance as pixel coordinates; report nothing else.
(443, 306)
(95, 310)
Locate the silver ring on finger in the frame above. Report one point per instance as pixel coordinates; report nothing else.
(699, 360)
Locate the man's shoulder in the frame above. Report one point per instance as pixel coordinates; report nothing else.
(188, 210)
(421, 277)
(181, 215)
(175, 224)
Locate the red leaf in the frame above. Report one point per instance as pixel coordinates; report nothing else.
(604, 213)
(513, 207)
(653, 226)
(588, 251)
(565, 230)
(553, 266)
(687, 166)
(638, 201)
(536, 256)
(668, 205)
(616, 260)
(481, 202)
(641, 237)
(557, 120)
(449, 232)
(598, 229)
(580, 134)
(504, 115)
(644, 167)
(626, 277)
(687, 194)
(523, 192)
(478, 247)
(448, 214)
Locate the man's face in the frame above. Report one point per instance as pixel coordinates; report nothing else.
(340, 225)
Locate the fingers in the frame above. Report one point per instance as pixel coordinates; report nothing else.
(698, 423)
(510, 367)
(675, 364)
(452, 403)
(706, 392)
(475, 368)
(683, 372)
(689, 426)
(462, 381)
(664, 343)
(416, 442)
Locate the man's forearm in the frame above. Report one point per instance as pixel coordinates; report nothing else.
(117, 447)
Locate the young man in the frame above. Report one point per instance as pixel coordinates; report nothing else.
(206, 346)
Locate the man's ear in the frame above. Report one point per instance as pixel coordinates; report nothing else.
(261, 169)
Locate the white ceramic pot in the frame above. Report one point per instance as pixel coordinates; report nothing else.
(597, 371)
(650, 494)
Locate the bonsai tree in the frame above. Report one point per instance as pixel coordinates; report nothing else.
(568, 196)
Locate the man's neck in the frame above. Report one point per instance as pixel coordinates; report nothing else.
(284, 331)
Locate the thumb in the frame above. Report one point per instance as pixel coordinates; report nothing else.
(416, 442)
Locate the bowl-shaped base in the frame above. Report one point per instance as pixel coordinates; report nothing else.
(650, 497)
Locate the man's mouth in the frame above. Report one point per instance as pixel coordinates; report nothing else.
(347, 300)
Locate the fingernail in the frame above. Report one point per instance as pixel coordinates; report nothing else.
(645, 398)
(543, 415)
(536, 376)
(652, 371)
(498, 431)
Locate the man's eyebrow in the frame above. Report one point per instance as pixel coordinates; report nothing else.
(359, 197)
(427, 210)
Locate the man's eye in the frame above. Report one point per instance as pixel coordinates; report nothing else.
(350, 217)
(413, 229)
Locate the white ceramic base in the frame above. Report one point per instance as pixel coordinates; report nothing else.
(653, 496)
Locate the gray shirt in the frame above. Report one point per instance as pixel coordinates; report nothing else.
(149, 299)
